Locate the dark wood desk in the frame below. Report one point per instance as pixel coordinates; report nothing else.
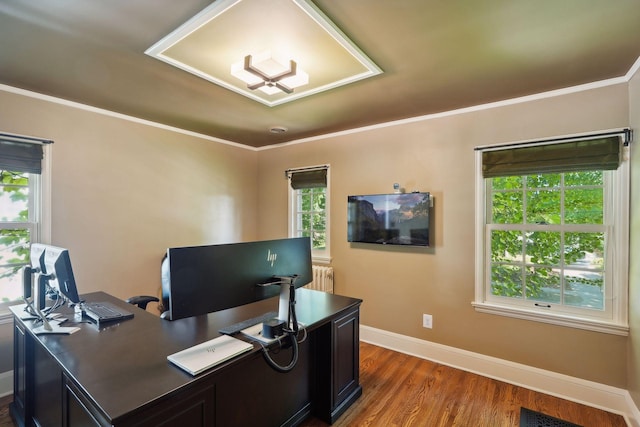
(119, 374)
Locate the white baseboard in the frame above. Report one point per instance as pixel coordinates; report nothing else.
(590, 393)
(6, 383)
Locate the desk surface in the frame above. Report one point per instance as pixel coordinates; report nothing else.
(123, 366)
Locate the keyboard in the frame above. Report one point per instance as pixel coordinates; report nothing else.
(237, 327)
(102, 312)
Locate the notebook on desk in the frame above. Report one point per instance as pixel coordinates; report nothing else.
(210, 353)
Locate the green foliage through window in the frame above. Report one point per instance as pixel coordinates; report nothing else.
(311, 215)
(547, 238)
(15, 231)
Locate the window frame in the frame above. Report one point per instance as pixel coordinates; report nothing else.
(616, 189)
(318, 256)
(39, 206)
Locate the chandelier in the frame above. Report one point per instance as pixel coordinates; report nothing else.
(269, 74)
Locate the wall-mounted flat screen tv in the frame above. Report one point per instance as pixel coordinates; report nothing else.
(389, 219)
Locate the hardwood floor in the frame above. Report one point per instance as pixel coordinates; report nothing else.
(401, 390)
(5, 418)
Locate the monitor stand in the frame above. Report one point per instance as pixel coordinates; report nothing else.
(255, 332)
(29, 312)
(49, 324)
(53, 327)
(287, 295)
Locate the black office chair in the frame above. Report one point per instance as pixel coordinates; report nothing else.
(142, 300)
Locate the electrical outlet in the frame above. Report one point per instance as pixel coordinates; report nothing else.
(427, 321)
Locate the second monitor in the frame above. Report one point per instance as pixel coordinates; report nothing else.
(204, 279)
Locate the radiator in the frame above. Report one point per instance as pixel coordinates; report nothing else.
(322, 279)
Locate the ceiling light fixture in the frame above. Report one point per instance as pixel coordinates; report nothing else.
(304, 34)
(269, 74)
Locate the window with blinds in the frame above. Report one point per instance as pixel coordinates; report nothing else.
(309, 208)
(21, 161)
(552, 231)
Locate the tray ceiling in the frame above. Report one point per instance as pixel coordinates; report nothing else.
(435, 56)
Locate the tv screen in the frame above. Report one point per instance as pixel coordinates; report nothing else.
(389, 219)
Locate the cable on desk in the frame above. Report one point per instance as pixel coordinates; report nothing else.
(294, 356)
(47, 312)
(293, 337)
(292, 334)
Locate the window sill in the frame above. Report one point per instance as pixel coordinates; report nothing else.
(554, 319)
(320, 260)
(6, 317)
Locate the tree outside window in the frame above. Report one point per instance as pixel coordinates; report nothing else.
(311, 216)
(16, 231)
(547, 238)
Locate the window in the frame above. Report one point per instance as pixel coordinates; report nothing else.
(20, 210)
(552, 232)
(309, 208)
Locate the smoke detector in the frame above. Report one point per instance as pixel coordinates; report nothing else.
(278, 129)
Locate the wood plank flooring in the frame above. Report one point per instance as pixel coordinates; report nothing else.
(401, 390)
(5, 418)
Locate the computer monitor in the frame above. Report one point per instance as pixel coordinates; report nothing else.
(204, 279)
(59, 274)
(52, 268)
(36, 265)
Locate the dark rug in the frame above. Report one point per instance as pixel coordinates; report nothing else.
(529, 418)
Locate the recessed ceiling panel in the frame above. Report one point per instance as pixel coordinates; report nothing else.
(227, 31)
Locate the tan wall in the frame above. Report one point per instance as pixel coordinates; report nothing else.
(123, 192)
(634, 274)
(398, 285)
